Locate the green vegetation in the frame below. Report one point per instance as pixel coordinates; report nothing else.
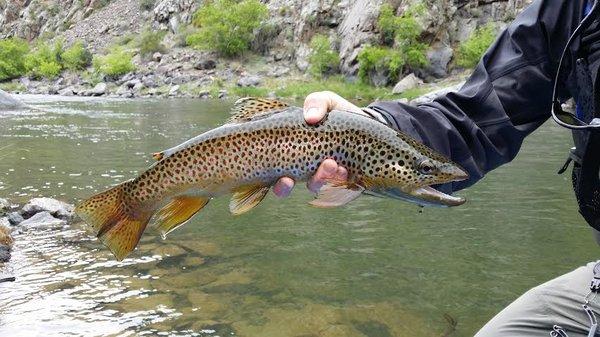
(13, 87)
(227, 26)
(116, 63)
(77, 57)
(379, 62)
(472, 49)
(12, 53)
(404, 50)
(323, 60)
(147, 4)
(150, 43)
(45, 60)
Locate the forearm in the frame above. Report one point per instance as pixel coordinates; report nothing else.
(482, 126)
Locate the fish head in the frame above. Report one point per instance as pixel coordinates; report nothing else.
(411, 172)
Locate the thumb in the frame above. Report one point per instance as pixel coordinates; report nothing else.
(316, 106)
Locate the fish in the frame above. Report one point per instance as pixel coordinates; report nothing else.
(263, 141)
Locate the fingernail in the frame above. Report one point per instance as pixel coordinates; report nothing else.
(282, 191)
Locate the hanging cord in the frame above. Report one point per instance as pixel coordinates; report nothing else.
(565, 119)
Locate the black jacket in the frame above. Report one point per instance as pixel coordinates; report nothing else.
(508, 96)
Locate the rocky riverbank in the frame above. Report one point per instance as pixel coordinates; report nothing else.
(37, 213)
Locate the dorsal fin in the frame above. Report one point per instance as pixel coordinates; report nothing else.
(248, 108)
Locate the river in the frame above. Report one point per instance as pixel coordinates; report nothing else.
(374, 268)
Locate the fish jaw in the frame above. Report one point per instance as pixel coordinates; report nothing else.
(432, 197)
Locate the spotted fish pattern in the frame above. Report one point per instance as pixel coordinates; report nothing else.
(263, 141)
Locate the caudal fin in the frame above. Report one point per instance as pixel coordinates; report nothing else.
(116, 222)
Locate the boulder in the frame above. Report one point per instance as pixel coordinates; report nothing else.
(439, 58)
(430, 96)
(410, 81)
(205, 65)
(54, 207)
(9, 102)
(249, 81)
(15, 218)
(5, 237)
(68, 91)
(98, 90)
(174, 90)
(4, 253)
(43, 219)
(4, 206)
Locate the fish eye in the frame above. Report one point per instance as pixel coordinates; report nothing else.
(426, 167)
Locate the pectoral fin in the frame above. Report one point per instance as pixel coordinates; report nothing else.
(335, 194)
(247, 197)
(177, 212)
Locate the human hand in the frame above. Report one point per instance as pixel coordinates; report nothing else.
(316, 106)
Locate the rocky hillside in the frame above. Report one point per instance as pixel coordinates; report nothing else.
(282, 44)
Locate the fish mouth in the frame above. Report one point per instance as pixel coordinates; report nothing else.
(435, 197)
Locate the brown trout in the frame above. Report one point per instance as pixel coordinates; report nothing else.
(263, 141)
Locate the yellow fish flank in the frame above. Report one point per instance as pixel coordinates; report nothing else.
(263, 141)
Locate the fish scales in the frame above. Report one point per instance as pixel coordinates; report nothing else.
(254, 150)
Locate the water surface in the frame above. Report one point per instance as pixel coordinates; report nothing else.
(375, 268)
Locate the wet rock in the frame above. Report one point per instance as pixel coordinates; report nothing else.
(15, 218)
(4, 222)
(249, 81)
(9, 102)
(5, 237)
(4, 253)
(4, 206)
(204, 94)
(54, 207)
(98, 90)
(43, 219)
(222, 93)
(132, 83)
(410, 81)
(205, 65)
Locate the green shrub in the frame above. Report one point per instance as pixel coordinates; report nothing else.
(12, 52)
(147, 4)
(227, 26)
(473, 48)
(151, 42)
(403, 33)
(114, 64)
(45, 60)
(387, 24)
(77, 57)
(323, 60)
(379, 62)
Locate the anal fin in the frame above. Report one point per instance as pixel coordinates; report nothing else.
(337, 193)
(247, 197)
(178, 211)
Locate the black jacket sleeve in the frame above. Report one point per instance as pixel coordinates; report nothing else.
(506, 98)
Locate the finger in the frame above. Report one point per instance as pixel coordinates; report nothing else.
(326, 170)
(316, 106)
(341, 174)
(283, 187)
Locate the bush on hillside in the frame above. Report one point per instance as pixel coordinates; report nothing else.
(323, 59)
(473, 48)
(227, 26)
(45, 60)
(116, 63)
(377, 63)
(151, 42)
(12, 53)
(77, 57)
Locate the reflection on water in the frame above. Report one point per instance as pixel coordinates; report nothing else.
(374, 268)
